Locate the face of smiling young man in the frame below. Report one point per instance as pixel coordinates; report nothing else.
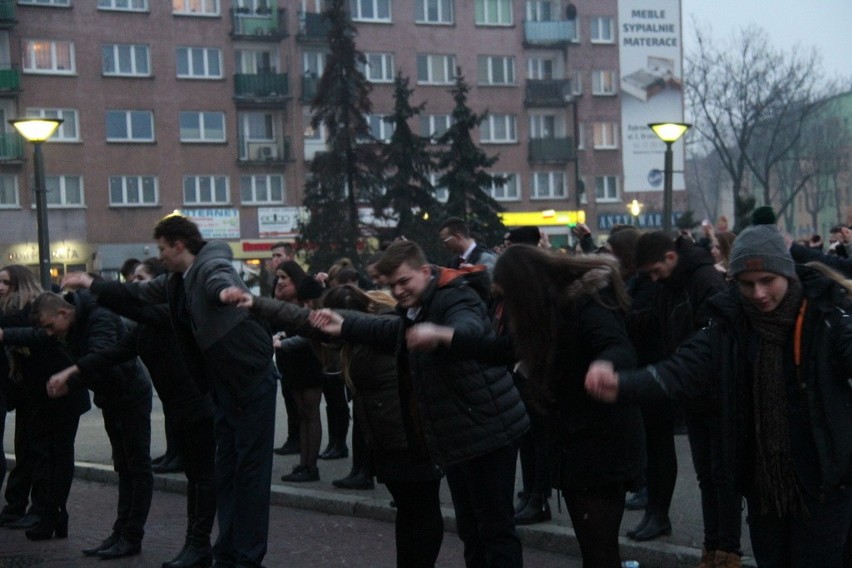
(408, 283)
(766, 290)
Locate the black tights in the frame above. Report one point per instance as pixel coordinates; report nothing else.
(596, 516)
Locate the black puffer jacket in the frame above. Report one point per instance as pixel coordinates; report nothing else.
(465, 408)
(715, 364)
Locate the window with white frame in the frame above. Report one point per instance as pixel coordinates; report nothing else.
(435, 125)
(606, 188)
(494, 12)
(601, 29)
(48, 56)
(262, 189)
(199, 63)
(63, 191)
(59, 3)
(370, 10)
(130, 126)
(257, 126)
(542, 126)
(9, 192)
(495, 70)
(124, 5)
(508, 191)
(202, 126)
(548, 185)
(442, 194)
(125, 60)
(133, 191)
(434, 12)
(539, 68)
(196, 7)
(433, 69)
(499, 129)
(379, 67)
(606, 135)
(576, 83)
(205, 190)
(541, 10)
(381, 129)
(313, 62)
(68, 131)
(581, 136)
(255, 61)
(603, 83)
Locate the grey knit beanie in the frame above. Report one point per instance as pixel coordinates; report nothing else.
(761, 248)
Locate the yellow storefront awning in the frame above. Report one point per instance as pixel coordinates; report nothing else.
(542, 218)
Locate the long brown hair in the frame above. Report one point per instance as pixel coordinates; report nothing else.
(23, 288)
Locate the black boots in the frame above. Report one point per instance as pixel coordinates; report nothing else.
(52, 523)
(201, 511)
(532, 509)
(291, 446)
(652, 525)
(355, 480)
(193, 554)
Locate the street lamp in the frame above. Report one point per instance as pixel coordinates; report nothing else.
(668, 132)
(37, 130)
(635, 208)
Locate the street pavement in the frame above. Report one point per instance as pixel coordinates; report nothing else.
(332, 526)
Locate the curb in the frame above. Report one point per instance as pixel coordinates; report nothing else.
(548, 537)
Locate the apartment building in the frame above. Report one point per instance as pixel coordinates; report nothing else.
(203, 106)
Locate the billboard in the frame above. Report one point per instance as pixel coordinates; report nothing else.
(651, 60)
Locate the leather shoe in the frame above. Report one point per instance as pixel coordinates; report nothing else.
(645, 518)
(290, 447)
(302, 473)
(637, 501)
(537, 510)
(28, 521)
(171, 466)
(109, 541)
(656, 526)
(192, 557)
(120, 548)
(359, 480)
(335, 452)
(9, 518)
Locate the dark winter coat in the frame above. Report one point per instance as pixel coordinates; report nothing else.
(463, 407)
(715, 365)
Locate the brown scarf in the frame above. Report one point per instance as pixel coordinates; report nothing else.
(775, 478)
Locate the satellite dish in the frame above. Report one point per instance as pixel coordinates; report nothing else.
(571, 12)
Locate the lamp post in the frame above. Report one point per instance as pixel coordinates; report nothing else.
(635, 208)
(36, 131)
(668, 132)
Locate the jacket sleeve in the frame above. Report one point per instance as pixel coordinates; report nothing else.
(289, 317)
(101, 335)
(219, 274)
(135, 293)
(463, 310)
(803, 255)
(605, 333)
(25, 336)
(380, 332)
(492, 349)
(124, 350)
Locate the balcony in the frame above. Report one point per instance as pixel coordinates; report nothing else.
(551, 150)
(313, 28)
(261, 90)
(264, 152)
(555, 34)
(263, 24)
(11, 147)
(8, 17)
(10, 82)
(548, 93)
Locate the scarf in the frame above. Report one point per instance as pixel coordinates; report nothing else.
(774, 476)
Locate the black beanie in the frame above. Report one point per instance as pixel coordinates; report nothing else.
(308, 289)
(527, 235)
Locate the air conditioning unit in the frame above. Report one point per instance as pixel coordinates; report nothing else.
(267, 152)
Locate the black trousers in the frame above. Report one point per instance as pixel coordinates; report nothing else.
(535, 456)
(661, 473)
(52, 454)
(197, 444)
(19, 484)
(419, 523)
(336, 408)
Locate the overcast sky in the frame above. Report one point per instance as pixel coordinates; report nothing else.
(826, 24)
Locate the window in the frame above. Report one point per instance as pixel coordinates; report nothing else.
(9, 192)
(45, 2)
(126, 5)
(68, 131)
(601, 30)
(196, 7)
(64, 191)
(257, 126)
(255, 61)
(576, 83)
(380, 129)
(539, 68)
(205, 190)
(606, 134)
(130, 126)
(262, 189)
(508, 191)
(370, 10)
(540, 10)
(202, 126)
(606, 188)
(603, 82)
(436, 69)
(434, 12)
(199, 63)
(442, 194)
(434, 125)
(581, 136)
(494, 12)
(548, 185)
(542, 126)
(125, 59)
(379, 68)
(133, 191)
(499, 128)
(495, 70)
(45, 56)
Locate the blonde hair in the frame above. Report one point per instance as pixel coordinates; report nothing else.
(23, 286)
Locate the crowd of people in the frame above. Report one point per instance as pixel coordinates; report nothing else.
(582, 364)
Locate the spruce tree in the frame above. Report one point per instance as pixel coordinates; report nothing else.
(465, 168)
(347, 173)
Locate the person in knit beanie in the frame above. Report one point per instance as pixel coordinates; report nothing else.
(761, 248)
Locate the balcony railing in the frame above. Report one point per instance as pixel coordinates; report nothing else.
(547, 92)
(8, 16)
(11, 146)
(10, 81)
(261, 86)
(264, 151)
(313, 27)
(550, 33)
(262, 24)
(551, 149)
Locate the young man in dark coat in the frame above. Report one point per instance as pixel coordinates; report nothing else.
(470, 414)
(457, 239)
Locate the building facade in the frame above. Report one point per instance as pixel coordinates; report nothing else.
(203, 106)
